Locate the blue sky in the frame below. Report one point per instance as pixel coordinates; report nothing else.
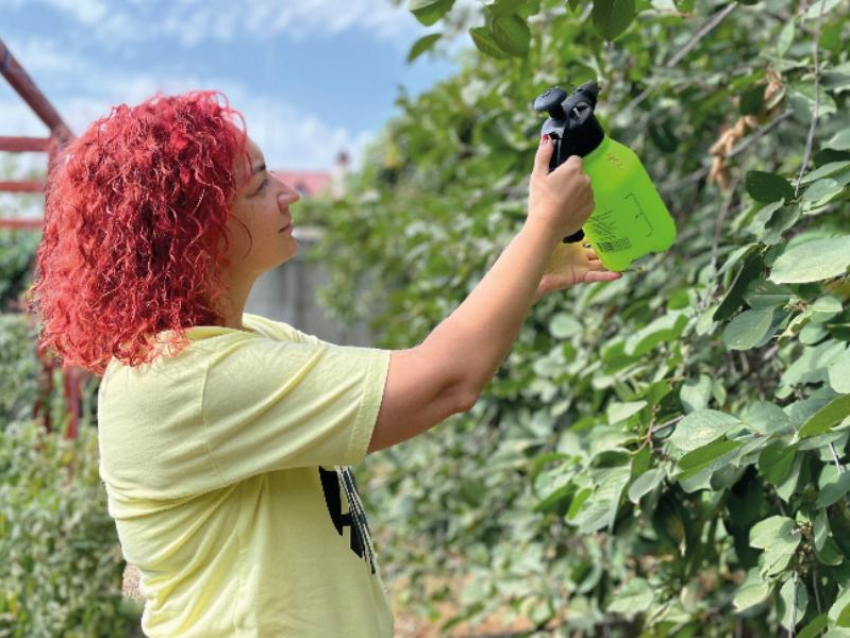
(310, 76)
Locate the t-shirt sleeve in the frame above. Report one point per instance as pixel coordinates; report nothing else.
(303, 337)
(271, 405)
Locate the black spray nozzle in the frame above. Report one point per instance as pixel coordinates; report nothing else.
(558, 104)
(551, 102)
(571, 126)
(571, 122)
(590, 91)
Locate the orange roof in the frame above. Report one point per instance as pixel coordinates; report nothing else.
(308, 183)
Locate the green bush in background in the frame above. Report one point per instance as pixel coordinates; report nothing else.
(17, 261)
(19, 368)
(663, 455)
(61, 561)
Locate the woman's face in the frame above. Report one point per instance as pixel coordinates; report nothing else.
(262, 204)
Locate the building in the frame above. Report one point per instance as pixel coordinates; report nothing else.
(311, 183)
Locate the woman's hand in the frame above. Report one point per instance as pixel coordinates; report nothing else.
(571, 264)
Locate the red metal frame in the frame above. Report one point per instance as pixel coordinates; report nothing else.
(60, 134)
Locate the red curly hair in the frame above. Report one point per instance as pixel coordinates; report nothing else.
(136, 209)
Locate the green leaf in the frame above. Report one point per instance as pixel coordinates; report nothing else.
(827, 417)
(747, 251)
(839, 372)
(822, 189)
(750, 329)
(768, 187)
(551, 501)
(702, 427)
(423, 44)
(832, 168)
(788, 595)
(778, 536)
(771, 530)
(776, 461)
(840, 606)
(752, 592)
(710, 456)
(612, 17)
(827, 304)
(768, 418)
(602, 511)
(621, 411)
(765, 215)
(511, 33)
(786, 37)
(830, 553)
(817, 625)
(801, 97)
(752, 269)
(833, 485)
(840, 141)
(773, 219)
(788, 487)
(633, 598)
(641, 460)
(695, 393)
(813, 260)
(766, 294)
(645, 483)
(827, 550)
(844, 617)
(751, 595)
(666, 328)
(822, 530)
(483, 40)
(429, 11)
(564, 326)
(784, 219)
(578, 502)
(815, 9)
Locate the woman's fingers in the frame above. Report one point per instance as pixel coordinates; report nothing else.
(605, 275)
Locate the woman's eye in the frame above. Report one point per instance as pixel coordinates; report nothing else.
(262, 185)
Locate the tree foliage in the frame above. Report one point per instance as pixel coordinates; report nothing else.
(664, 453)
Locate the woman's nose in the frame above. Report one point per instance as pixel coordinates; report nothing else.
(288, 196)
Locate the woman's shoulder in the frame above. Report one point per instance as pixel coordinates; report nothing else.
(278, 330)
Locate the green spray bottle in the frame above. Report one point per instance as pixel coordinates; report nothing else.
(629, 219)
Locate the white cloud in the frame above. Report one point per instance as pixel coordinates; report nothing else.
(290, 138)
(120, 24)
(191, 21)
(42, 55)
(85, 11)
(194, 21)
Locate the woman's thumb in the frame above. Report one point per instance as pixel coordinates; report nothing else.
(544, 155)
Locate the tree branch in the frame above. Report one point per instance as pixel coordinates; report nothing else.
(817, 101)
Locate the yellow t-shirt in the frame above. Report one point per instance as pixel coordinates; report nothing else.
(227, 472)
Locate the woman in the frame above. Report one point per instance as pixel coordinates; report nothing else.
(226, 438)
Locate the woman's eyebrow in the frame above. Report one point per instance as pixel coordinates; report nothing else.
(259, 168)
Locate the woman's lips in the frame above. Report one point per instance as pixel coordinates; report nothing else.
(286, 228)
